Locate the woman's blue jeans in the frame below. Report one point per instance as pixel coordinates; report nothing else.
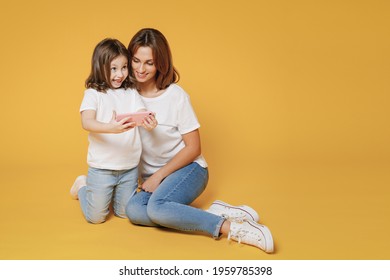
(106, 186)
(168, 205)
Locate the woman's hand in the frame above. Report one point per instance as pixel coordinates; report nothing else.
(185, 156)
(152, 183)
(150, 122)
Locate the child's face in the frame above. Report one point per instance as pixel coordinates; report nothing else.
(143, 65)
(119, 71)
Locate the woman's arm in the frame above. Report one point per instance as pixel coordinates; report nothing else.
(185, 156)
(89, 123)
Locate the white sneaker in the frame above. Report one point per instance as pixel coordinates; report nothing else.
(233, 213)
(252, 233)
(80, 182)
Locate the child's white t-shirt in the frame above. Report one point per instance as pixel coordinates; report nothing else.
(107, 150)
(175, 117)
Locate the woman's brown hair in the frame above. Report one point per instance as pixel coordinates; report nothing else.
(162, 56)
(105, 52)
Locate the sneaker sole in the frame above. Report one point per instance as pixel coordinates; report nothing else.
(250, 211)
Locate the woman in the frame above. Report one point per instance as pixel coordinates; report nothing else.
(173, 170)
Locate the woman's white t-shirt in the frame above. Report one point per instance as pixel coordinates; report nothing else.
(107, 150)
(175, 117)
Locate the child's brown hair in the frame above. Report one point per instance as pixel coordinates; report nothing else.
(105, 52)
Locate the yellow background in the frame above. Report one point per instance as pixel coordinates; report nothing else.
(292, 96)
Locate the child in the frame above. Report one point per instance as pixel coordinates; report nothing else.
(114, 146)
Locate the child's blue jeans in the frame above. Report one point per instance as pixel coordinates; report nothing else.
(106, 186)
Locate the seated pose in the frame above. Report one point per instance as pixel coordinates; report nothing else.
(114, 146)
(173, 171)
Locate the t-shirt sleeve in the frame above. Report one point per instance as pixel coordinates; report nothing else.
(187, 120)
(90, 101)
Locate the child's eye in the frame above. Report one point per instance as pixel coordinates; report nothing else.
(113, 69)
(124, 67)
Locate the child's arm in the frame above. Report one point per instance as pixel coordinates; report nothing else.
(89, 123)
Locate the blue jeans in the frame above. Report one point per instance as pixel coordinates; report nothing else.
(168, 205)
(106, 186)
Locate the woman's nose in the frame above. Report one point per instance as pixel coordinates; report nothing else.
(141, 68)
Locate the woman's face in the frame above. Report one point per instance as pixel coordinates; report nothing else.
(143, 66)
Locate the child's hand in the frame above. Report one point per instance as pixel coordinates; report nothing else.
(149, 122)
(122, 125)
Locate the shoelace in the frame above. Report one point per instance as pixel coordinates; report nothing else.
(239, 219)
(235, 219)
(239, 234)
